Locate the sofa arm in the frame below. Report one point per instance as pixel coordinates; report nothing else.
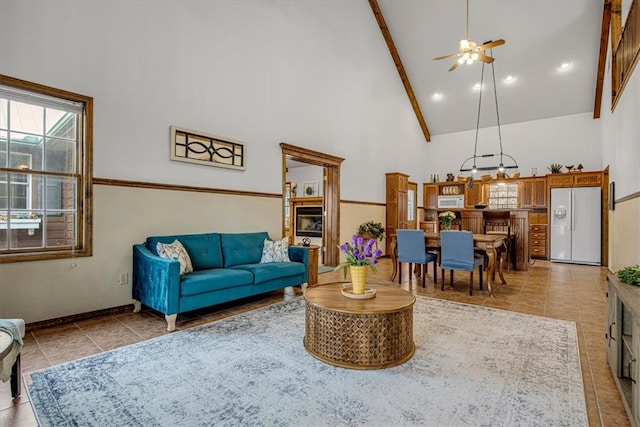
(156, 280)
(300, 254)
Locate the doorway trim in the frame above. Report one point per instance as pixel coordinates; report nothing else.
(331, 195)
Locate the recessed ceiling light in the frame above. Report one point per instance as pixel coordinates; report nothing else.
(477, 86)
(437, 96)
(510, 78)
(565, 66)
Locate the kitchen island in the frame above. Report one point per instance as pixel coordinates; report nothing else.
(471, 220)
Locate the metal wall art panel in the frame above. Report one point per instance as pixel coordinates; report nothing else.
(206, 149)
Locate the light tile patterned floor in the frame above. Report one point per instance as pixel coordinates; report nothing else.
(562, 291)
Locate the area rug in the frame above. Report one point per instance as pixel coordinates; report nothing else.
(324, 269)
(473, 366)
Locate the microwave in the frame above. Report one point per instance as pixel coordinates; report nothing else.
(450, 202)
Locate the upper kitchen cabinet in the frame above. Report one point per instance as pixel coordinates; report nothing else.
(475, 195)
(430, 195)
(575, 179)
(533, 192)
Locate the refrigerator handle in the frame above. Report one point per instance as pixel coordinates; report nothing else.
(573, 210)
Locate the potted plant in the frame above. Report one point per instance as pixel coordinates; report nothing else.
(359, 255)
(371, 230)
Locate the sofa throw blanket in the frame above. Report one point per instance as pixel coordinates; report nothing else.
(7, 362)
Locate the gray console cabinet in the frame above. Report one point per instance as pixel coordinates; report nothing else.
(623, 342)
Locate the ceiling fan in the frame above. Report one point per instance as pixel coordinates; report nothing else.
(469, 51)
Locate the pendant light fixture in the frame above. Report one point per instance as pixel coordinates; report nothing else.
(505, 161)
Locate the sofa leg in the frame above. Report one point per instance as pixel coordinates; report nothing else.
(137, 306)
(171, 322)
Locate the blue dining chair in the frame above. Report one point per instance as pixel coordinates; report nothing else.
(456, 253)
(411, 249)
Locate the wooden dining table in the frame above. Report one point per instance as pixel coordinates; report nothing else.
(493, 245)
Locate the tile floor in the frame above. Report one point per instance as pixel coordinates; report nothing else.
(562, 291)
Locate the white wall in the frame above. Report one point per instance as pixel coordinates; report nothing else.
(306, 174)
(621, 151)
(568, 140)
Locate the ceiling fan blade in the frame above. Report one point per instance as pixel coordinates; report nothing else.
(454, 66)
(446, 56)
(491, 44)
(485, 58)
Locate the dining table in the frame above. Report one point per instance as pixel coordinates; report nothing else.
(492, 245)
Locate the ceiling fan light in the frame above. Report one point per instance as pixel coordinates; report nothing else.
(469, 61)
(460, 60)
(474, 56)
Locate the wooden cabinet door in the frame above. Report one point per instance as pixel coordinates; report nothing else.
(396, 215)
(533, 193)
(539, 195)
(526, 193)
(430, 196)
(474, 196)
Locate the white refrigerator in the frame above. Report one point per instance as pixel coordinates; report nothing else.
(575, 225)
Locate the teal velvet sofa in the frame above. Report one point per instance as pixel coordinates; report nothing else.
(226, 267)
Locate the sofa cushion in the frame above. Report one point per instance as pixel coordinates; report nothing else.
(203, 281)
(242, 248)
(273, 270)
(204, 249)
(275, 251)
(175, 250)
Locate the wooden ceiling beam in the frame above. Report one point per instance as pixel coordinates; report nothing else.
(403, 74)
(602, 57)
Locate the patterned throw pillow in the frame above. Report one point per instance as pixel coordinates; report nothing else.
(175, 250)
(275, 251)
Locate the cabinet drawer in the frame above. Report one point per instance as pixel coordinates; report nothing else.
(538, 236)
(539, 228)
(538, 243)
(538, 251)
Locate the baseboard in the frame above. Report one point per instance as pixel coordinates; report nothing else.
(50, 323)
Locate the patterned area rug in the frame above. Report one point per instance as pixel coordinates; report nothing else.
(472, 366)
(324, 269)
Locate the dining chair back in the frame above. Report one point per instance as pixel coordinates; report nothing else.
(412, 249)
(457, 253)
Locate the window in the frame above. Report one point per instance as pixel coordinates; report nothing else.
(503, 196)
(45, 172)
(411, 205)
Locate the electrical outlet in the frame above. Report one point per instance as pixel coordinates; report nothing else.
(123, 279)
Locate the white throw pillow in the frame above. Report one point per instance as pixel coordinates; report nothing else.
(175, 250)
(275, 251)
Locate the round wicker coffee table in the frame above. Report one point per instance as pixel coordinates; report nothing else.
(359, 333)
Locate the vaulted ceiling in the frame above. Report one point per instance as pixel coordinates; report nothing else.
(540, 35)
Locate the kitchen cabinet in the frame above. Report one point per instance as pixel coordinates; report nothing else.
(533, 193)
(397, 213)
(474, 196)
(623, 342)
(575, 179)
(430, 195)
(538, 233)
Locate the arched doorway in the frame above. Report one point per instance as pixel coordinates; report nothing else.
(331, 198)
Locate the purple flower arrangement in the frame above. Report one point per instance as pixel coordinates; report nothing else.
(359, 252)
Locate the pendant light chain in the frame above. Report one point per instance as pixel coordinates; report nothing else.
(475, 146)
(495, 95)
